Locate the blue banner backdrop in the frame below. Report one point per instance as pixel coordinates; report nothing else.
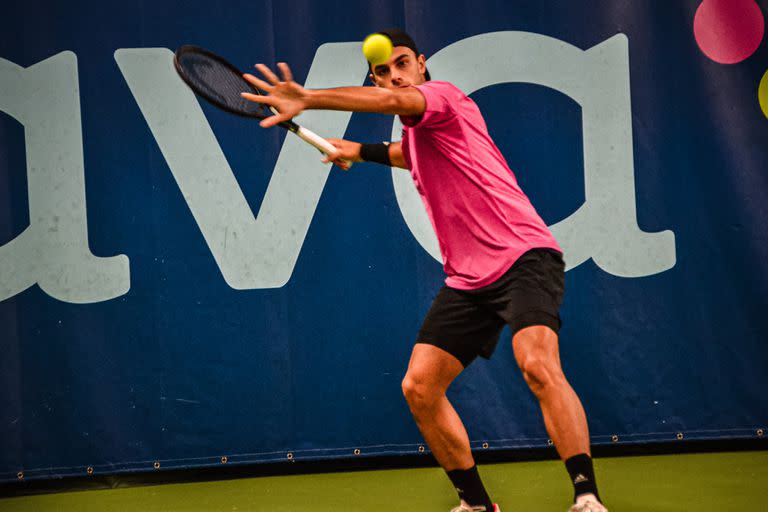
(178, 285)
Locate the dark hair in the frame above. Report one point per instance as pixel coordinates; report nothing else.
(401, 38)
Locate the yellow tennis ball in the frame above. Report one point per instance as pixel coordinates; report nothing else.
(762, 94)
(377, 49)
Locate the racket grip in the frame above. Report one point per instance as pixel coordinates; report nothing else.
(320, 143)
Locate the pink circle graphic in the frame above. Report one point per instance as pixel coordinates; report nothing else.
(728, 31)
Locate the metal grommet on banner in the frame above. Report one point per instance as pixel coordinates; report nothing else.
(156, 465)
(357, 451)
(680, 436)
(290, 456)
(20, 475)
(421, 449)
(614, 438)
(89, 470)
(550, 442)
(760, 432)
(224, 459)
(485, 446)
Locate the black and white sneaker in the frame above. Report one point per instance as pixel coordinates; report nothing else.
(587, 503)
(467, 508)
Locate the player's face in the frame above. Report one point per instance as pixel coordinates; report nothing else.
(402, 69)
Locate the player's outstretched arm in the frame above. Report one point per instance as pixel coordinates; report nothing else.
(290, 98)
(349, 151)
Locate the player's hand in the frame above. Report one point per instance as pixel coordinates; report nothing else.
(286, 96)
(347, 152)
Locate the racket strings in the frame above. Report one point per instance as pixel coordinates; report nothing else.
(220, 82)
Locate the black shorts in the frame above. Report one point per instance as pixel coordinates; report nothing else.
(467, 323)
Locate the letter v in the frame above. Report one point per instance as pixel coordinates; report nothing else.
(251, 252)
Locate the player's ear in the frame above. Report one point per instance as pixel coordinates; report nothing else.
(422, 63)
(373, 79)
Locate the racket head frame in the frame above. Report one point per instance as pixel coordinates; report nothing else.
(308, 136)
(188, 48)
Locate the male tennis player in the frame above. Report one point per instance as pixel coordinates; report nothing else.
(503, 265)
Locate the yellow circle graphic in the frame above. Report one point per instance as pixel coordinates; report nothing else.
(762, 94)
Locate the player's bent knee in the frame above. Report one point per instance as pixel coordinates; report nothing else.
(541, 374)
(417, 394)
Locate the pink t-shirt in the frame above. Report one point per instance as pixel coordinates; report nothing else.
(482, 219)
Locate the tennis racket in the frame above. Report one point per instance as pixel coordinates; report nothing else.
(220, 83)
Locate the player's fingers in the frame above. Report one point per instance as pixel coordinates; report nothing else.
(331, 157)
(267, 123)
(258, 98)
(273, 120)
(330, 160)
(336, 159)
(268, 74)
(258, 82)
(286, 71)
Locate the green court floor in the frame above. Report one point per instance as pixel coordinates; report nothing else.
(676, 483)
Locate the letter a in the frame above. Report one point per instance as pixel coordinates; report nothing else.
(53, 250)
(605, 226)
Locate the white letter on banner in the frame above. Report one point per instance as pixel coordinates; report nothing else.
(605, 226)
(53, 250)
(251, 252)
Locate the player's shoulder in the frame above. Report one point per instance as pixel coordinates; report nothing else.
(445, 90)
(441, 85)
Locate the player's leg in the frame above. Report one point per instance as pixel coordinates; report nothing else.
(537, 353)
(430, 371)
(452, 335)
(528, 298)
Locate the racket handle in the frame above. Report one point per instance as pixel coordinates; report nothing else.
(320, 143)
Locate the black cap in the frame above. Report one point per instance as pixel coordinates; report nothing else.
(401, 38)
